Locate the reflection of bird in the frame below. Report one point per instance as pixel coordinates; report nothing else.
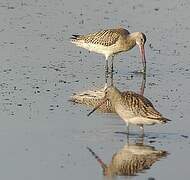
(131, 159)
(110, 42)
(133, 108)
(92, 98)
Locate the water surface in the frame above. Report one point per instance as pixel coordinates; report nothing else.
(42, 135)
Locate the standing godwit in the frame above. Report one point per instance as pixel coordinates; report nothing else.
(110, 42)
(133, 108)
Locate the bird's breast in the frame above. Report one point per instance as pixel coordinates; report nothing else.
(123, 111)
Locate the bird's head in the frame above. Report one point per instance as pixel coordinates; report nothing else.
(111, 92)
(140, 39)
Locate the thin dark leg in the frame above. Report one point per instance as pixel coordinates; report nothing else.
(142, 128)
(140, 140)
(106, 73)
(128, 139)
(112, 70)
(127, 125)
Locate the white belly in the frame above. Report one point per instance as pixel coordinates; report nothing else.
(105, 50)
(124, 113)
(130, 118)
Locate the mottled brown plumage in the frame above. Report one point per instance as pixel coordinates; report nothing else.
(111, 41)
(133, 108)
(130, 160)
(105, 37)
(140, 105)
(92, 98)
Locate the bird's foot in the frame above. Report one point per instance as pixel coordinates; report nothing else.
(105, 86)
(139, 72)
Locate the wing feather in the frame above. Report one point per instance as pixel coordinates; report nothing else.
(141, 106)
(105, 37)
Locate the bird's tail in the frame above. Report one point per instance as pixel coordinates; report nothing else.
(164, 120)
(74, 36)
(163, 153)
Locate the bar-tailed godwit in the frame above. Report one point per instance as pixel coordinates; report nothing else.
(130, 160)
(133, 108)
(112, 41)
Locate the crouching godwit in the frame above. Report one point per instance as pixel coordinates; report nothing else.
(133, 108)
(110, 42)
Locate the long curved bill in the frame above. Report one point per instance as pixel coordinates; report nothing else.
(101, 103)
(142, 52)
(103, 165)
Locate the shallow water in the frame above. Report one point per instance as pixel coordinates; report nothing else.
(42, 135)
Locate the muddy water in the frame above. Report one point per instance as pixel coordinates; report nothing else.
(42, 135)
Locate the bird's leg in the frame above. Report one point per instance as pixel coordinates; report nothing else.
(112, 70)
(128, 139)
(127, 126)
(140, 140)
(106, 73)
(142, 128)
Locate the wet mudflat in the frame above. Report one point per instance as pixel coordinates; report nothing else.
(42, 134)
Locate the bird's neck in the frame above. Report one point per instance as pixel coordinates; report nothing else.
(115, 97)
(131, 41)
